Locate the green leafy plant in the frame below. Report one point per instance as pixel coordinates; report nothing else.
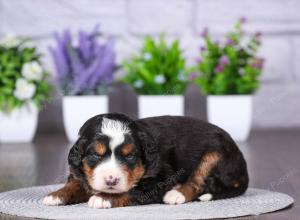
(158, 69)
(231, 67)
(22, 78)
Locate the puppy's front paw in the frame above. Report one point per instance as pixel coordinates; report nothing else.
(98, 202)
(52, 200)
(174, 197)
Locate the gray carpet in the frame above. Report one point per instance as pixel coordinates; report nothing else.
(28, 203)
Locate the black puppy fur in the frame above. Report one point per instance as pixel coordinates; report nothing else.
(171, 149)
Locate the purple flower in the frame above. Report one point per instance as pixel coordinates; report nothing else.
(193, 76)
(223, 60)
(202, 48)
(243, 19)
(219, 69)
(83, 69)
(258, 63)
(204, 33)
(199, 60)
(258, 34)
(61, 60)
(229, 42)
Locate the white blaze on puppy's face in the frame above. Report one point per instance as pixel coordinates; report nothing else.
(102, 174)
(110, 171)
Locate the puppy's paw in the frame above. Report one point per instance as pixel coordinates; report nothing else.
(205, 197)
(52, 200)
(98, 202)
(174, 197)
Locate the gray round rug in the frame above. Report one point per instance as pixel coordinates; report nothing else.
(28, 203)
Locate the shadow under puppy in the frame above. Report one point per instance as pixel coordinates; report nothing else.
(118, 162)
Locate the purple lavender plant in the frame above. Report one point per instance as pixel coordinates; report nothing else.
(86, 69)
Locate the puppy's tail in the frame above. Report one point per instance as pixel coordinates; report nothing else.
(225, 194)
(215, 192)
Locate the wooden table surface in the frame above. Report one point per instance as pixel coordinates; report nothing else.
(273, 158)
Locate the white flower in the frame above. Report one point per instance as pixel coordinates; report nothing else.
(160, 79)
(24, 90)
(9, 41)
(147, 56)
(138, 84)
(32, 71)
(181, 76)
(241, 71)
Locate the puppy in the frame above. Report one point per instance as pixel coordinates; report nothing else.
(118, 162)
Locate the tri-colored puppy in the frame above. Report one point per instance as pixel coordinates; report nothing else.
(117, 162)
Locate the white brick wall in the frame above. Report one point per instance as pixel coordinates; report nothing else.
(41, 17)
(296, 58)
(276, 103)
(267, 14)
(148, 17)
(278, 52)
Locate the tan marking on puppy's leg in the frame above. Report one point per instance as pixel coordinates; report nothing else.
(195, 183)
(122, 201)
(236, 184)
(177, 186)
(72, 192)
(117, 200)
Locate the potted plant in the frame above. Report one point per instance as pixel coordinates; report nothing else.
(157, 74)
(228, 73)
(84, 73)
(23, 89)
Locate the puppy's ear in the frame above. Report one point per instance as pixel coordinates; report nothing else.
(149, 153)
(75, 157)
(91, 126)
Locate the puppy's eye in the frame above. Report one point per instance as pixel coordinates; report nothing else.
(130, 157)
(94, 157)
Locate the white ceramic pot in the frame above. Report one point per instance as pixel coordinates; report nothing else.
(19, 125)
(233, 113)
(156, 105)
(78, 109)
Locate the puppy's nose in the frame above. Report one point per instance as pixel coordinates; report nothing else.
(112, 181)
